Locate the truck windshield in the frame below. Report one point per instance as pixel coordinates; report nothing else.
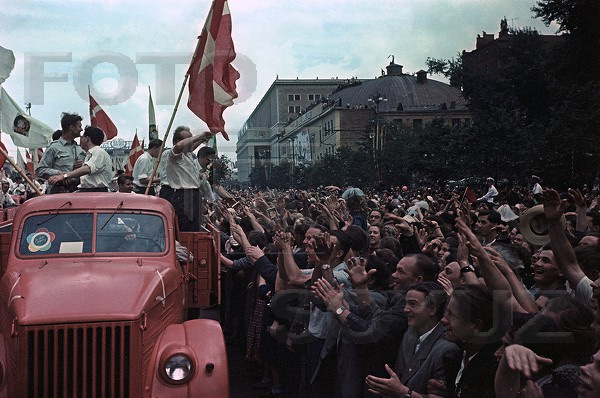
(58, 233)
(130, 233)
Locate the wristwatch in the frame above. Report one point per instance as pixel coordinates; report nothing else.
(340, 310)
(325, 267)
(468, 268)
(408, 394)
(65, 176)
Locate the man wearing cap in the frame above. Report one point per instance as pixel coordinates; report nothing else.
(491, 193)
(63, 155)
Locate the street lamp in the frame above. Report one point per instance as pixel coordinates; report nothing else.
(377, 99)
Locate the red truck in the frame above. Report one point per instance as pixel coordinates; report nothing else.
(95, 302)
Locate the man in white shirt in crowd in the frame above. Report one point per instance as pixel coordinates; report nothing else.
(491, 193)
(96, 171)
(144, 165)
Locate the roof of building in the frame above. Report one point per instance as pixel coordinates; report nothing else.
(412, 92)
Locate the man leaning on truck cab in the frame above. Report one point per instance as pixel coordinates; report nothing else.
(96, 171)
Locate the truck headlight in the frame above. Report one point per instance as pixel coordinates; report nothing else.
(178, 368)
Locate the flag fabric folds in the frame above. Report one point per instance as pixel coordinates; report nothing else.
(29, 162)
(20, 161)
(134, 153)
(7, 63)
(152, 129)
(2, 154)
(212, 77)
(25, 131)
(99, 118)
(470, 195)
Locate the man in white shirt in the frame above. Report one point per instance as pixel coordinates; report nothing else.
(491, 193)
(144, 165)
(537, 190)
(96, 171)
(184, 177)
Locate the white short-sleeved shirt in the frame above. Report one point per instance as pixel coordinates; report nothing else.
(183, 170)
(143, 167)
(100, 164)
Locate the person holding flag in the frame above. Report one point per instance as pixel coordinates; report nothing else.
(63, 155)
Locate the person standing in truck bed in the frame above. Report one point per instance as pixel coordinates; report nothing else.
(63, 155)
(96, 171)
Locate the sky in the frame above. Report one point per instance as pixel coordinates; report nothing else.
(124, 46)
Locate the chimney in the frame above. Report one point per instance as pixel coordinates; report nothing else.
(394, 69)
(421, 77)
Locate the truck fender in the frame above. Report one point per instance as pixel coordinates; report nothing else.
(201, 341)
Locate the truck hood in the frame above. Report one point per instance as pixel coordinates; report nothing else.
(90, 290)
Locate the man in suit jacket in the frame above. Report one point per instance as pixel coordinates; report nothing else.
(423, 348)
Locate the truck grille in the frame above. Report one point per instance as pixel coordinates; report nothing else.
(91, 360)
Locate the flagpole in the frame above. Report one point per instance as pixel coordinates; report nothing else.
(21, 172)
(187, 75)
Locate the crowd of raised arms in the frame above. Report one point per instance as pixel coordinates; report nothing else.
(413, 292)
(404, 292)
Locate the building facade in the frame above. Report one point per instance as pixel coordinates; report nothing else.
(284, 101)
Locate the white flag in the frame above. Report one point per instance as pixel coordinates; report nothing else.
(25, 131)
(7, 63)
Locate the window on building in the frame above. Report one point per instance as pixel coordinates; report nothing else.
(417, 124)
(293, 97)
(314, 97)
(294, 109)
(467, 122)
(455, 122)
(317, 97)
(290, 97)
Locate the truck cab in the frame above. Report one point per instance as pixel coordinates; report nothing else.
(96, 301)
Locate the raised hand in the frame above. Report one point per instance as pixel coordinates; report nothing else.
(524, 360)
(391, 387)
(332, 297)
(554, 207)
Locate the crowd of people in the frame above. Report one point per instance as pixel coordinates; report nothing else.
(406, 292)
(414, 292)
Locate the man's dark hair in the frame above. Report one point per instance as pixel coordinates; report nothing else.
(359, 239)
(95, 134)
(256, 238)
(69, 119)
(122, 178)
(424, 267)
(435, 296)
(475, 302)
(344, 241)
(56, 135)
(177, 136)
(492, 215)
(155, 143)
(206, 151)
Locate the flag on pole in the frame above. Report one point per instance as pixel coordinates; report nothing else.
(99, 118)
(469, 195)
(152, 129)
(24, 130)
(212, 77)
(134, 153)
(29, 163)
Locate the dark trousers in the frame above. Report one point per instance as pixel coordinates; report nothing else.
(188, 208)
(166, 192)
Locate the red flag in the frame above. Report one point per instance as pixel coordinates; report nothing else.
(99, 118)
(470, 195)
(29, 162)
(134, 153)
(212, 77)
(3, 154)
